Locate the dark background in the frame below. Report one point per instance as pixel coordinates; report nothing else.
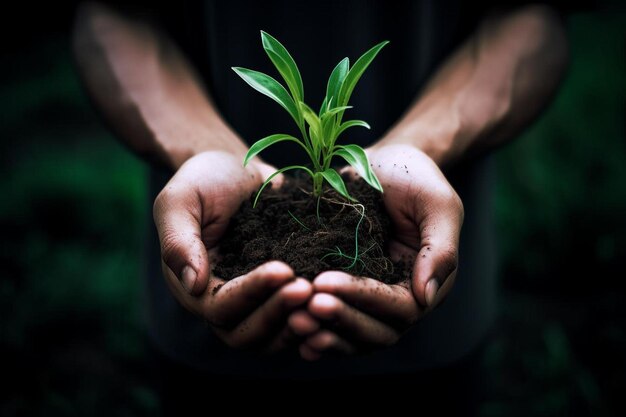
(74, 208)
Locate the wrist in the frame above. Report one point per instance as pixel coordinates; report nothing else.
(447, 128)
(203, 139)
(433, 131)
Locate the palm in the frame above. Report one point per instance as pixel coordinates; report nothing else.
(219, 191)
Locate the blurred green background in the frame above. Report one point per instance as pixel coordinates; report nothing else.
(74, 209)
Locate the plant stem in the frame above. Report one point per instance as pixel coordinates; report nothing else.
(318, 181)
(317, 211)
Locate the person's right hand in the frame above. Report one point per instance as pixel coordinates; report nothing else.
(191, 214)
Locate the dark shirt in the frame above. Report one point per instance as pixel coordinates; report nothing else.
(218, 35)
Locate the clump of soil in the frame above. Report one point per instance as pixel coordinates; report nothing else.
(284, 226)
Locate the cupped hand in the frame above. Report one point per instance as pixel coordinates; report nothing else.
(191, 214)
(350, 314)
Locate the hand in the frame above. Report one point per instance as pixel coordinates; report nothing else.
(349, 314)
(191, 214)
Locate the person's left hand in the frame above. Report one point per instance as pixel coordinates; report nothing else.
(351, 314)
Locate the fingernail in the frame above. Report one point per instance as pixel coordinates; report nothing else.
(431, 292)
(188, 278)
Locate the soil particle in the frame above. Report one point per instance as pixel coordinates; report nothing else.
(216, 289)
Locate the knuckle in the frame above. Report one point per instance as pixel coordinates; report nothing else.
(442, 193)
(447, 196)
(170, 247)
(451, 197)
(160, 202)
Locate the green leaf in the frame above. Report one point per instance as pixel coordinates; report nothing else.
(314, 122)
(329, 121)
(355, 73)
(328, 124)
(337, 110)
(336, 79)
(323, 106)
(356, 156)
(280, 171)
(268, 86)
(285, 64)
(261, 144)
(351, 123)
(335, 181)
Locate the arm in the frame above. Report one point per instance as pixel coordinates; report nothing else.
(152, 99)
(490, 89)
(483, 95)
(146, 90)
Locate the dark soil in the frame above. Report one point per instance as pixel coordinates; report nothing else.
(284, 226)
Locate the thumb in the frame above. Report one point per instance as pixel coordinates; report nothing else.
(266, 170)
(177, 215)
(437, 260)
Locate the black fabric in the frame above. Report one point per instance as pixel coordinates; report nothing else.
(457, 389)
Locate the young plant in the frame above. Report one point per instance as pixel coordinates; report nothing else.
(319, 130)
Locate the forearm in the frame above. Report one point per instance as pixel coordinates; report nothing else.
(146, 90)
(492, 87)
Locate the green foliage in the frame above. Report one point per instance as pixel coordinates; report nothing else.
(324, 127)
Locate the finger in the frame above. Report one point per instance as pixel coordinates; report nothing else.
(190, 302)
(350, 172)
(238, 297)
(437, 259)
(267, 170)
(177, 215)
(327, 341)
(394, 304)
(350, 322)
(302, 323)
(269, 318)
(285, 338)
(309, 354)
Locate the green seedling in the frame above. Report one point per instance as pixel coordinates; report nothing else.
(319, 130)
